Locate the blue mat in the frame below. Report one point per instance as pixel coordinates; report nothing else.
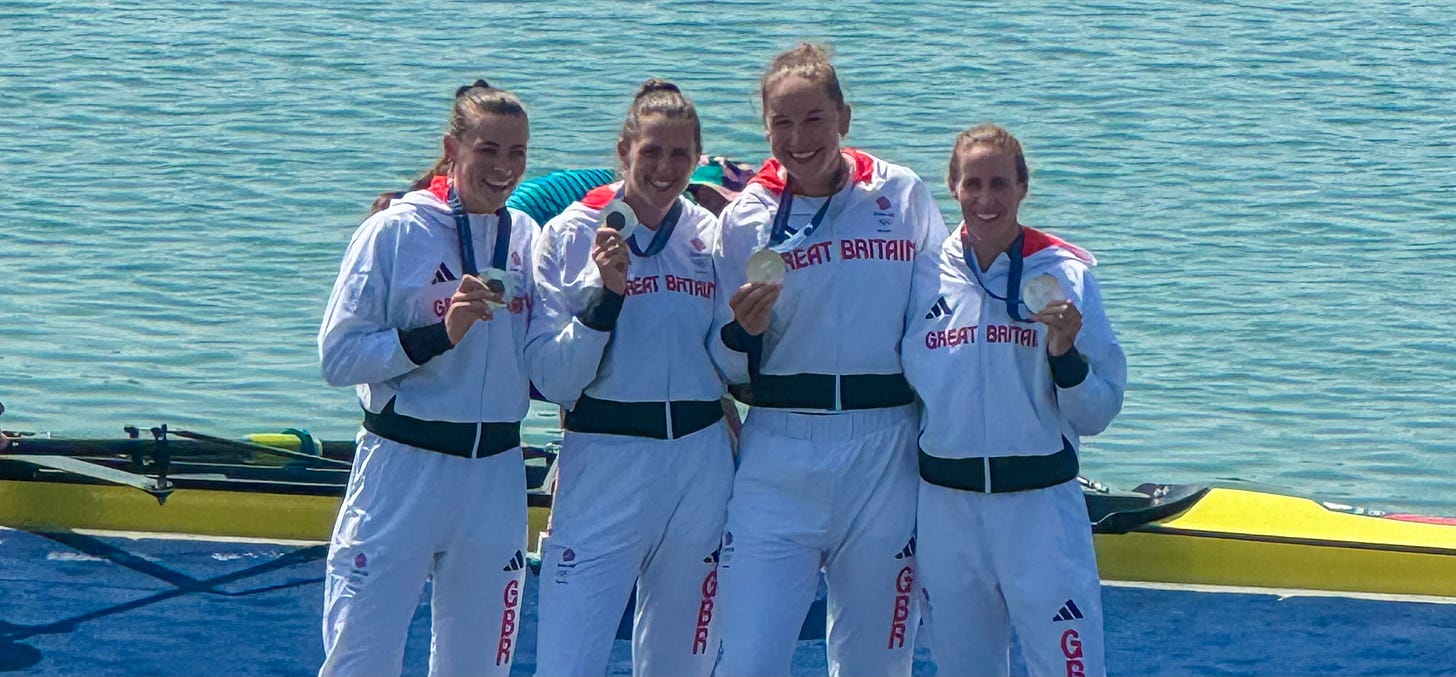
(158, 607)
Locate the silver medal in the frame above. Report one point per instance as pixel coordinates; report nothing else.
(766, 266)
(498, 280)
(619, 216)
(1041, 291)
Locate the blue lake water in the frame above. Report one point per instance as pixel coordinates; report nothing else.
(1269, 187)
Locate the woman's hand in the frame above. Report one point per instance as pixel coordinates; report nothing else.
(753, 305)
(1063, 321)
(610, 254)
(470, 304)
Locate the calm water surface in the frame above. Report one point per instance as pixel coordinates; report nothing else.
(1270, 190)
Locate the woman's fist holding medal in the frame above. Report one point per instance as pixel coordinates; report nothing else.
(753, 303)
(471, 303)
(610, 254)
(1063, 321)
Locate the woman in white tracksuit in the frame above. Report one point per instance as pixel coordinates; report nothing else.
(1009, 348)
(826, 475)
(428, 321)
(619, 338)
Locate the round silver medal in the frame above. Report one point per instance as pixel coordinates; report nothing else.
(501, 281)
(766, 266)
(1041, 291)
(619, 216)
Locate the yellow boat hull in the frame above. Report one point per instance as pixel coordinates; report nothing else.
(1241, 538)
(56, 506)
(1228, 537)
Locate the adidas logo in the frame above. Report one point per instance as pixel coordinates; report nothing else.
(520, 560)
(940, 309)
(908, 551)
(1068, 612)
(443, 274)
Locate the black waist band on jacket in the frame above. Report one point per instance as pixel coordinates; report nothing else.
(642, 419)
(1008, 473)
(467, 440)
(825, 391)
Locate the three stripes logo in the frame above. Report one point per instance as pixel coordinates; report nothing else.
(908, 551)
(519, 561)
(1068, 612)
(443, 274)
(940, 309)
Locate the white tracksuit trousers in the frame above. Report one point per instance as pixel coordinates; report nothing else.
(822, 491)
(409, 515)
(1022, 560)
(633, 510)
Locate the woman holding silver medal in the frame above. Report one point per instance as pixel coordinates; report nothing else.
(434, 346)
(1010, 349)
(818, 253)
(626, 304)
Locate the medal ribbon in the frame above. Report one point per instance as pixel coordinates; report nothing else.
(467, 245)
(1013, 277)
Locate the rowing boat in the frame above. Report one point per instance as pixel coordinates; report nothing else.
(277, 487)
(1223, 536)
(288, 486)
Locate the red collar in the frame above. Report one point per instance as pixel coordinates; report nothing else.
(773, 177)
(1034, 240)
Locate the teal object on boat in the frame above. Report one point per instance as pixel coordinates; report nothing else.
(546, 196)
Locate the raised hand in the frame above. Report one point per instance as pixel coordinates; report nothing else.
(469, 304)
(610, 253)
(1063, 321)
(753, 305)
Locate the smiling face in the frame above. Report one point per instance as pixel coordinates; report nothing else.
(804, 127)
(989, 190)
(488, 160)
(658, 162)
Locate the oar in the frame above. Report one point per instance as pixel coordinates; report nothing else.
(261, 448)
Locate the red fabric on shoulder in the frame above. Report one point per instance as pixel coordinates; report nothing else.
(599, 197)
(771, 176)
(864, 164)
(440, 186)
(1036, 240)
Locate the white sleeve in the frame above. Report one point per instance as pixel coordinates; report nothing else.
(356, 343)
(732, 365)
(930, 235)
(1091, 405)
(562, 353)
(731, 250)
(924, 291)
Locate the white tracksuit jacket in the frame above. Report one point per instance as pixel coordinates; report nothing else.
(847, 285)
(658, 349)
(985, 379)
(402, 267)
